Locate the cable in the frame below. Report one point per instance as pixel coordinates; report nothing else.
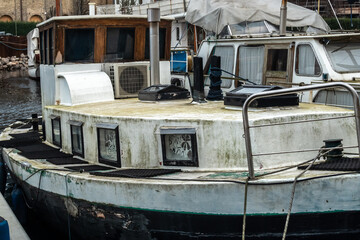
(17, 49)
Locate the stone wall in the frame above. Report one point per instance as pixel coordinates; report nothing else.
(39, 10)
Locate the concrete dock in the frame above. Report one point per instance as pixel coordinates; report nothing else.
(17, 232)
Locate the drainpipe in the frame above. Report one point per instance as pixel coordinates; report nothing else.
(283, 11)
(21, 10)
(92, 9)
(58, 4)
(154, 19)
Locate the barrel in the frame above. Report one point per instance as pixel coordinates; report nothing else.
(4, 229)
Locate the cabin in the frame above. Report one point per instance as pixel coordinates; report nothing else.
(117, 45)
(100, 39)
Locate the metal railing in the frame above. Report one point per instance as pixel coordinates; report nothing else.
(253, 97)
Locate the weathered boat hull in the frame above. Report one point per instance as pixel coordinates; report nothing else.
(101, 221)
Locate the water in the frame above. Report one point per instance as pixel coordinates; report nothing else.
(19, 97)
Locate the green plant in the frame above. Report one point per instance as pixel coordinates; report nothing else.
(17, 28)
(345, 23)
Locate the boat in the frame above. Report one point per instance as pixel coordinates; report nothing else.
(121, 154)
(248, 37)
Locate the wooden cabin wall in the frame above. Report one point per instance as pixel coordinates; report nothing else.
(139, 53)
(100, 26)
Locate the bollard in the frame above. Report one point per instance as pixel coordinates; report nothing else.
(35, 122)
(215, 92)
(4, 229)
(198, 95)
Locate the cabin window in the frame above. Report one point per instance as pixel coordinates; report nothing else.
(277, 60)
(77, 139)
(251, 63)
(226, 53)
(306, 62)
(79, 45)
(56, 130)
(344, 56)
(179, 147)
(335, 97)
(177, 33)
(162, 43)
(42, 48)
(108, 144)
(50, 47)
(120, 44)
(45, 61)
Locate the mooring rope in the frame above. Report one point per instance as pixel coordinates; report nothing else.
(320, 154)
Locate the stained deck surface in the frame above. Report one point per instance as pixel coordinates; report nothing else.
(184, 109)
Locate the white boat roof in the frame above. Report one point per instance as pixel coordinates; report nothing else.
(183, 109)
(108, 16)
(287, 37)
(214, 15)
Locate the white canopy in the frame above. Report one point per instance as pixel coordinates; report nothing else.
(32, 45)
(214, 15)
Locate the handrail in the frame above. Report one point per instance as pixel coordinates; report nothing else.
(272, 93)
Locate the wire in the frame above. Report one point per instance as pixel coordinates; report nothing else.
(183, 34)
(243, 79)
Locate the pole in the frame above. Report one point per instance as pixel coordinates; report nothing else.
(283, 13)
(195, 39)
(335, 14)
(351, 21)
(154, 19)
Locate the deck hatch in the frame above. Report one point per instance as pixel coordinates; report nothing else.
(136, 173)
(35, 147)
(343, 164)
(89, 168)
(66, 161)
(44, 154)
(108, 144)
(21, 140)
(179, 147)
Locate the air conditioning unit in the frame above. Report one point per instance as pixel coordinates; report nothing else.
(128, 78)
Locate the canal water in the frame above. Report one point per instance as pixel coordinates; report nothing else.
(19, 98)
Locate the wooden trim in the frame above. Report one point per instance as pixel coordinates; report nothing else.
(167, 43)
(139, 45)
(60, 42)
(100, 44)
